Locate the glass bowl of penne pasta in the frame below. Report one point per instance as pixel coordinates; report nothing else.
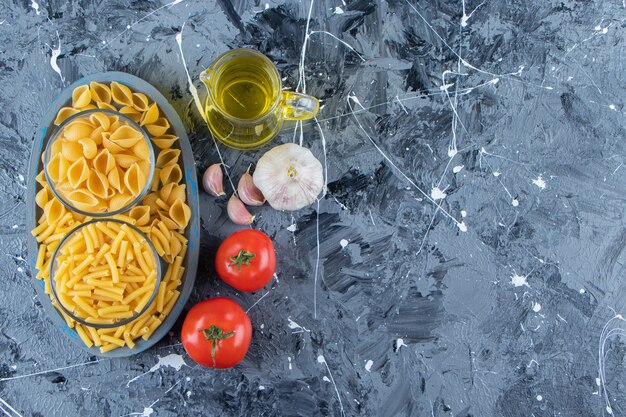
(99, 163)
(105, 274)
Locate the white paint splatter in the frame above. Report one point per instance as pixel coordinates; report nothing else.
(445, 87)
(289, 360)
(462, 226)
(452, 151)
(458, 168)
(325, 378)
(295, 326)
(437, 193)
(267, 6)
(53, 59)
(321, 359)
(612, 106)
(539, 398)
(581, 291)
(515, 202)
(339, 10)
(536, 307)
(261, 388)
(519, 281)
(368, 365)
(463, 213)
(539, 182)
(292, 228)
(400, 343)
(20, 177)
(343, 243)
(496, 174)
(35, 6)
(188, 394)
(172, 360)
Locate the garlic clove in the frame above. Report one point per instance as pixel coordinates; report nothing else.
(289, 176)
(237, 211)
(212, 180)
(248, 193)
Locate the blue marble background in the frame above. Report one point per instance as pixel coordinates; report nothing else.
(466, 259)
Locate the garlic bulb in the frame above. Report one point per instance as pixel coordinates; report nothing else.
(289, 176)
(212, 180)
(237, 211)
(249, 194)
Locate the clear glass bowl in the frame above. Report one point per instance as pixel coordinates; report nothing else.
(57, 135)
(54, 265)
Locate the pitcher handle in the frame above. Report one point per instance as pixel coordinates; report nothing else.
(297, 106)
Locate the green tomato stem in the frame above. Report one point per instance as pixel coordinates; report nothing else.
(242, 258)
(215, 334)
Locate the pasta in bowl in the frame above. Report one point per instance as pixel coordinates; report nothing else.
(105, 275)
(99, 163)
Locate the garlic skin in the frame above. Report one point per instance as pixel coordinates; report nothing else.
(213, 180)
(248, 193)
(289, 176)
(237, 211)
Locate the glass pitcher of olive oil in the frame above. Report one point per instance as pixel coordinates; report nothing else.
(245, 106)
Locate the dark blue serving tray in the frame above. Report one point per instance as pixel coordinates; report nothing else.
(190, 263)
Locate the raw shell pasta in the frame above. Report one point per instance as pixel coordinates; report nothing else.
(171, 173)
(140, 102)
(100, 120)
(165, 141)
(126, 136)
(159, 127)
(98, 184)
(121, 94)
(78, 172)
(142, 150)
(90, 149)
(82, 199)
(150, 116)
(64, 113)
(180, 213)
(81, 97)
(131, 112)
(71, 151)
(125, 160)
(100, 93)
(115, 180)
(77, 130)
(104, 162)
(41, 198)
(53, 210)
(150, 201)
(167, 157)
(134, 180)
(141, 214)
(119, 200)
(106, 106)
(172, 192)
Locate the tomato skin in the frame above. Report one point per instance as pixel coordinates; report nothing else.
(261, 267)
(227, 315)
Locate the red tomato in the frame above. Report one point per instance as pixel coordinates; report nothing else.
(246, 260)
(217, 333)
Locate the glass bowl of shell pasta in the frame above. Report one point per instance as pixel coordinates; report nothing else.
(105, 275)
(99, 163)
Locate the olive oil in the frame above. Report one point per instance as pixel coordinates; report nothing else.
(246, 106)
(244, 89)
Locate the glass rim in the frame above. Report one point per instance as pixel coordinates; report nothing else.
(123, 322)
(220, 60)
(52, 184)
